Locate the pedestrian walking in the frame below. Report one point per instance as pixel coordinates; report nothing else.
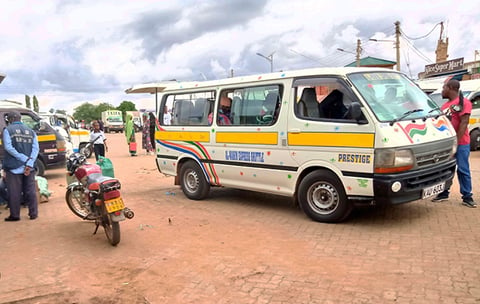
(97, 137)
(146, 142)
(458, 109)
(130, 135)
(152, 128)
(21, 147)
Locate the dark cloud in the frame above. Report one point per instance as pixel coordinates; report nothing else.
(159, 30)
(64, 71)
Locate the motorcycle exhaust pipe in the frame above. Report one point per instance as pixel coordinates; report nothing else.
(128, 213)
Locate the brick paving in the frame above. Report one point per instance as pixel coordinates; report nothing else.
(241, 247)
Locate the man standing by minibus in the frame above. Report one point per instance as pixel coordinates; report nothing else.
(459, 108)
(21, 147)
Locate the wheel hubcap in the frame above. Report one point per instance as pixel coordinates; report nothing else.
(191, 181)
(323, 198)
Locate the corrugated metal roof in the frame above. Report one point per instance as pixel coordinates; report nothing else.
(372, 61)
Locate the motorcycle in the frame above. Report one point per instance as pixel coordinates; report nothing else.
(95, 197)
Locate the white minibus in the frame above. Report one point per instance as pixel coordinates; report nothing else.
(330, 138)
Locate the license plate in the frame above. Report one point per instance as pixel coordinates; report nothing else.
(114, 205)
(433, 190)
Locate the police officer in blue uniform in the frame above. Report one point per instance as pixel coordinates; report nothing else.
(21, 147)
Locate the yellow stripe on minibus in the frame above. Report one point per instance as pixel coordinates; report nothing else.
(79, 132)
(254, 138)
(48, 137)
(360, 140)
(183, 136)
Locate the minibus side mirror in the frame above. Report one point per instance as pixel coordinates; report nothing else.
(355, 112)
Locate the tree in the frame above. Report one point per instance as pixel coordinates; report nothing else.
(86, 111)
(35, 104)
(104, 107)
(126, 106)
(27, 102)
(89, 112)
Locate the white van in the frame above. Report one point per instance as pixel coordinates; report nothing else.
(471, 90)
(330, 138)
(78, 137)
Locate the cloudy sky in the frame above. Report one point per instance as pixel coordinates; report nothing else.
(68, 52)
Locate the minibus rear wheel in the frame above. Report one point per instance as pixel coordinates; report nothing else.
(193, 182)
(322, 197)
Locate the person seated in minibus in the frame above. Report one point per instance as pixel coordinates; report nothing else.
(223, 117)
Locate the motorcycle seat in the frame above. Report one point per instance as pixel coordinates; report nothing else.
(95, 180)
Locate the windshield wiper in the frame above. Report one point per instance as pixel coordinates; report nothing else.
(406, 114)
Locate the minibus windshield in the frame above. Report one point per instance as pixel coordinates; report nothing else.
(393, 97)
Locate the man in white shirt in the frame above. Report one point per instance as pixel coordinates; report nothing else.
(167, 117)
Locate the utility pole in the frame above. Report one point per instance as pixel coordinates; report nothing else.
(359, 51)
(397, 43)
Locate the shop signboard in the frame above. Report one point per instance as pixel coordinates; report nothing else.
(444, 67)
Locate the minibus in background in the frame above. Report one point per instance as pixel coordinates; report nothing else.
(52, 145)
(330, 138)
(471, 90)
(65, 124)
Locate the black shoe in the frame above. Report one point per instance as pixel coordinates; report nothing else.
(12, 219)
(469, 202)
(440, 198)
(33, 217)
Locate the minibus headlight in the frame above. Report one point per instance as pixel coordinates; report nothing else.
(454, 147)
(392, 160)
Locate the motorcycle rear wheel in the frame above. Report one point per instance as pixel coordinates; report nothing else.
(76, 202)
(112, 229)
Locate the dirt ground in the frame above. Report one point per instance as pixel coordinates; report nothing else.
(238, 247)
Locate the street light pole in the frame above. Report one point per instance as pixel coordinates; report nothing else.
(396, 41)
(397, 46)
(269, 58)
(357, 54)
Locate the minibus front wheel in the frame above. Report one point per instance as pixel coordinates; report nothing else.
(40, 167)
(322, 197)
(193, 182)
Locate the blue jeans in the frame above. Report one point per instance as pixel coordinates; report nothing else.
(463, 172)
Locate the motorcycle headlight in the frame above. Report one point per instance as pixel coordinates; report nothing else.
(393, 160)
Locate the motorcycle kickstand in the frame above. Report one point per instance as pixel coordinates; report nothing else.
(96, 228)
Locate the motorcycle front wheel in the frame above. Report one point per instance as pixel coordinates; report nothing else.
(76, 201)
(112, 229)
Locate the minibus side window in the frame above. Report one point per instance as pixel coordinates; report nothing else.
(253, 106)
(323, 99)
(189, 109)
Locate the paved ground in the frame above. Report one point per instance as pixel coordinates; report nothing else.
(239, 247)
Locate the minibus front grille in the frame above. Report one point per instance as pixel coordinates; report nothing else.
(432, 158)
(429, 178)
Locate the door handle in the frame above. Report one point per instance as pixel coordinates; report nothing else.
(294, 131)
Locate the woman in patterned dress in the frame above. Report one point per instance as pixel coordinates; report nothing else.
(146, 142)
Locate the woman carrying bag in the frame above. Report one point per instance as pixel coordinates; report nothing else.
(130, 134)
